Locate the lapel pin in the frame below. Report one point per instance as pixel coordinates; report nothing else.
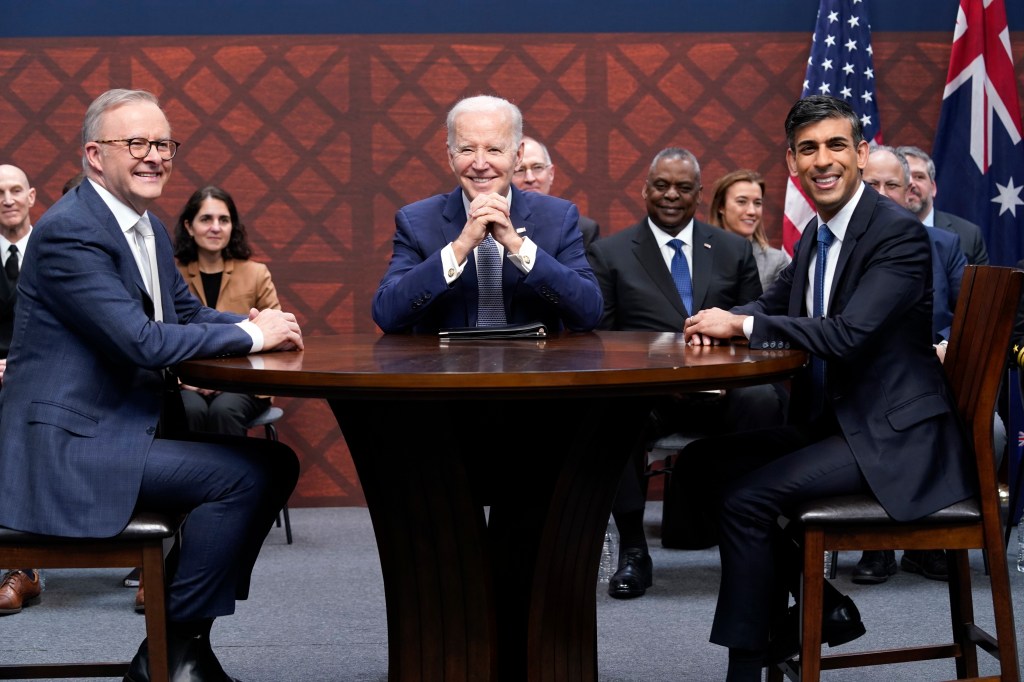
(520, 230)
(707, 246)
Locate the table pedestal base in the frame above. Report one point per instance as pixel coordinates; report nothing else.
(489, 517)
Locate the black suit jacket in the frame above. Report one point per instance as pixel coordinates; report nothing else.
(885, 385)
(971, 240)
(637, 287)
(590, 231)
(8, 291)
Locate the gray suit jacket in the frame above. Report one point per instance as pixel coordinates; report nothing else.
(590, 231)
(83, 389)
(638, 290)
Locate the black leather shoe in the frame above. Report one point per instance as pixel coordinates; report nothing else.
(838, 626)
(875, 567)
(634, 576)
(190, 659)
(931, 563)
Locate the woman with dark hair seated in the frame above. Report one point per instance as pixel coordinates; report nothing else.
(213, 256)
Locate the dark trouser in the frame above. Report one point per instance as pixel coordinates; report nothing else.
(222, 412)
(752, 479)
(232, 489)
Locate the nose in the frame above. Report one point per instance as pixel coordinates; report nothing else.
(152, 155)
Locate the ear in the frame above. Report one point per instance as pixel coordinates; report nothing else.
(31, 197)
(92, 156)
(791, 162)
(863, 151)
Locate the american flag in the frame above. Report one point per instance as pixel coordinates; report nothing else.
(840, 65)
(978, 152)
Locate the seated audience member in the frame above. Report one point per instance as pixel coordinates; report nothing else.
(212, 253)
(89, 359)
(737, 206)
(921, 201)
(21, 587)
(645, 276)
(536, 173)
(857, 299)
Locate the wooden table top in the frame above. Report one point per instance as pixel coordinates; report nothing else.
(400, 366)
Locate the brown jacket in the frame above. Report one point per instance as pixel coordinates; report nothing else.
(245, 284)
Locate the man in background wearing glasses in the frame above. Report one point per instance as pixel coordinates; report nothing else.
(101, 312)
(536, 173)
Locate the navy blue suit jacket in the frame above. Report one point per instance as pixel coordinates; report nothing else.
(884, 382)
(560, 290)
(948, 263)
(83, 388)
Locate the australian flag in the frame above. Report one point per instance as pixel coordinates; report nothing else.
(978, 150)
(840, 65)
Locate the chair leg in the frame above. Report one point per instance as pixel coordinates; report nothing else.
(811, 606)
(156, 614)
(271, 431)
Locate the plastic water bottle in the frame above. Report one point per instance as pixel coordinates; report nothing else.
(609, 554)
(1020, 545)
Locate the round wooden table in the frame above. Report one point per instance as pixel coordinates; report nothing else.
(489, 469)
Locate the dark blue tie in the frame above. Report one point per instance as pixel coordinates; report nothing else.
(825, 238)
(681, 275)
(491, 306)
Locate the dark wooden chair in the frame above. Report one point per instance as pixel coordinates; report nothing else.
(267, 419)
(139, 544)
(975, 365)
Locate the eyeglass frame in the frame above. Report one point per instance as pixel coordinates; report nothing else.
(152, 143)
(536, 169)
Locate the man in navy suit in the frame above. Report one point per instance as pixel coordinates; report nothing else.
(874, 414)
(432, 279)
(101, 312)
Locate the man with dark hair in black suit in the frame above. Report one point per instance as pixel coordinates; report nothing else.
(873, 415)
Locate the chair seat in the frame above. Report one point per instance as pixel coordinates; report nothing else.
(268, 416)
(142, 526)
(865, 509)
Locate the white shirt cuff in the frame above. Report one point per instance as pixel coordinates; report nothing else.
(748, 326)
(526, 257)
(252, 330)
(451, 266)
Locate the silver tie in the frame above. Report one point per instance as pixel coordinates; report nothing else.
(491, 306)
(143, 232)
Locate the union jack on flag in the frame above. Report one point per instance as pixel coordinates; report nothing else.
(840, 65)
(1020, 439)
(978, 150)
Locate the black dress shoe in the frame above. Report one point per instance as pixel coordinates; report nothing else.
(931, 563)
(875, 567)
(634, 576)
(190, 659)
(840, 625)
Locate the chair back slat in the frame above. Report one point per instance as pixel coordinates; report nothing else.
(976, 359)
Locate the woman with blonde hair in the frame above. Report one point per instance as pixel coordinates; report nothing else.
(736, 206)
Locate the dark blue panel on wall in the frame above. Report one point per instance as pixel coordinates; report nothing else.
(37, 18)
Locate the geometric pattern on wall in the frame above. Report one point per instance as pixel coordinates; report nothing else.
(321, 138)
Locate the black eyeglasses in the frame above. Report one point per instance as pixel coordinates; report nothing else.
(139, 147)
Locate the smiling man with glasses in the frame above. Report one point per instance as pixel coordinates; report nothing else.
(536, 173)
(102, 312)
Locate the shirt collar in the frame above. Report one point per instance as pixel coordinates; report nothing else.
(663, 237)
(841, 220)
(22, 243)
(124, 214)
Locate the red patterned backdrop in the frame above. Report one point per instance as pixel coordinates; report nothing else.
(321, 138)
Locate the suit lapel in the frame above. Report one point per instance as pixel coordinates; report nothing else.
(858, 225)
(804, 249)
(648, 253)
(703, 257)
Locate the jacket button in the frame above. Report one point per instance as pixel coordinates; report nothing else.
(764, 344)
(150, 430)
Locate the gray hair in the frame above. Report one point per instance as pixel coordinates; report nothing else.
(674, 153)
(543, 148)
(917, 152)
(900, 156)
(486, 104)
(110, 99)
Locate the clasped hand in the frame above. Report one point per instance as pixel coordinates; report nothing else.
(487, 213)
(280, 329)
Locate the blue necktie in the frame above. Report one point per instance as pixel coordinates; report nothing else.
(681, 275)
(825, 238)
(491, 306)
